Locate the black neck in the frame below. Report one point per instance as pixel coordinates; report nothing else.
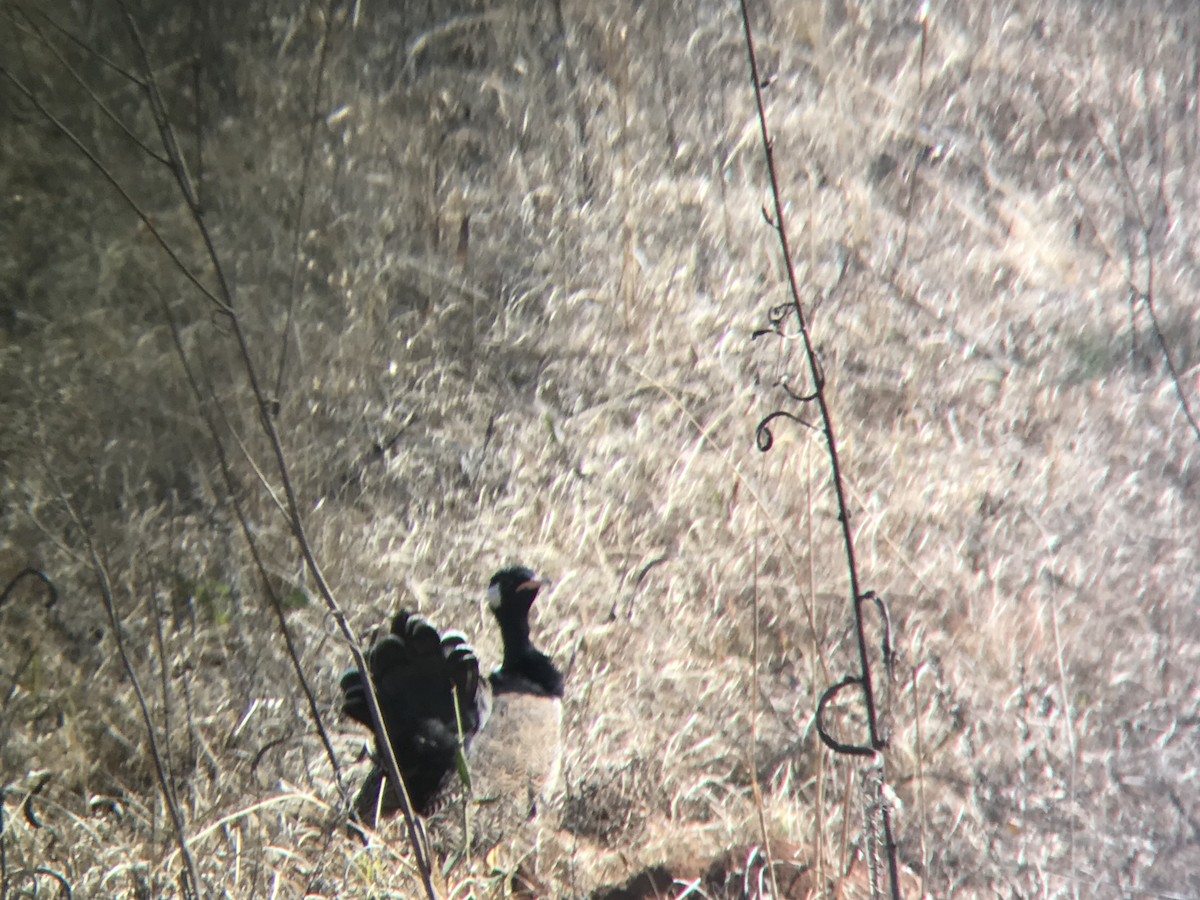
(525, 667)
(514, 632)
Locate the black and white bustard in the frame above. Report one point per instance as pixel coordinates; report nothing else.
(434, 701)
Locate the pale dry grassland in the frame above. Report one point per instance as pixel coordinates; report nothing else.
(579, 391)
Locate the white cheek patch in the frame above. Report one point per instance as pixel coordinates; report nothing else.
(494, 596)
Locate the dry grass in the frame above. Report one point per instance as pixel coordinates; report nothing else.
(579, 392)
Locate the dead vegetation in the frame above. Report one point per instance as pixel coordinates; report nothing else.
(502, 292)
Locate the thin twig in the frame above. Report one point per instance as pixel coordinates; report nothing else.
(30, 572)
(919, 749)
(205, 402)
(755, 787)
(104, 583)
(92, 51)
(31, 27)
(1144, 292)
(858, 597)
(164, 670)
(816, 373)
(821, 776)
(3, 850)
(266, 409)
(119, 188)
(222, 299)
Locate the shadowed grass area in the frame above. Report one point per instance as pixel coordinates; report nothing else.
(498, 267)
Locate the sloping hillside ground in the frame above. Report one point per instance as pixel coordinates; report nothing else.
(982, 230)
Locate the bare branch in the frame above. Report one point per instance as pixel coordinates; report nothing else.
(778, 222)
(191, 880)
